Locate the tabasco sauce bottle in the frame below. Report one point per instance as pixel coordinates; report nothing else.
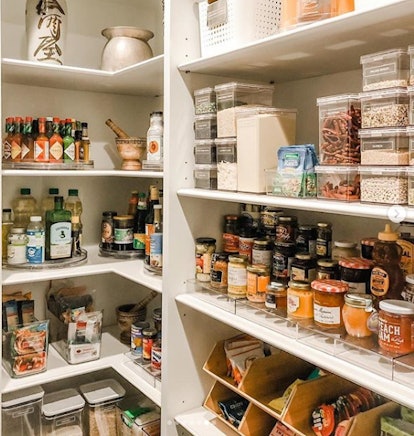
(17, 140)
(56, 143)
(7, 139)
(28, 140)
(41, 145)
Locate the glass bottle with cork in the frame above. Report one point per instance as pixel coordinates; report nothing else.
(387, 277)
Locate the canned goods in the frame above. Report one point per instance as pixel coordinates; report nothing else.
(276, 296)
(306, 239)
(258, 277)
(237, 276)
(324, 240)
(262, 252)
(149, 336)
(107, 229)
(283, 255)
(204, 248)
(156, 356)
(157, 317)
(137, 336)
(219, 270)
(286, 228)
(123, 232)
(303, 268)
(16, 246)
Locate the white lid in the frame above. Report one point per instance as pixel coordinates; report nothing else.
(382, 133)
(239, 86)
(201, 91)
(226, 141)
(61, 402)
(22, 396)
(205, 142)
(157, 206)
(383, 171)
(248, 111)
(102, 391)
(203, 117)
(384, 93)
(345, 244)
(379, 56)
(35, 219)
(205, 167)
(336, 98)
(333, 169)
(409, 278)
(398, 307)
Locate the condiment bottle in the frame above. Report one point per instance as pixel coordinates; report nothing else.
(56, 143)
(387, 277)
(35, 248)
(155, 137)
(7, 139)
(28, 140)
(237, 276)
(6, 225)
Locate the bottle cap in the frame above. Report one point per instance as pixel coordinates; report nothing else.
(157, 206)
(25, 191)
(387, 234)
(53, 191)
(73, 192)
(7, 210)
(35, 219)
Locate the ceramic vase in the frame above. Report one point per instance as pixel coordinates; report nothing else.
(46, 27)
(126, 46)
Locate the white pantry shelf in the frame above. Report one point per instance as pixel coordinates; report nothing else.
(132, 270)
(144, 78)
(83, 173)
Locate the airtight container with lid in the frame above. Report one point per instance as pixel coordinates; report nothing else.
(102, 398)
(226, 164)
(385, 69)
(205, 126)
(337, 183)
(21, 412)
(62, 413)
(205, 152)
(204, 101)
(205, 176)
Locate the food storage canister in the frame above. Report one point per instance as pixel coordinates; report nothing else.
(205, 176)
(258, 277)
(204, 101)
(355, 313)
(356, 273)
(62, 413)
(299, 300)
(276, 297)
(205, 152)
(344, 249)
(339, 183)
(367, 246)
(303, 268)
(396, 326)
(21, 412)
(204, 248)
(237, 276)
(205, 126)
(328, 301)
(226, 164)
(101, 398)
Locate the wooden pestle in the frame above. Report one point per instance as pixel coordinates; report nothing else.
(116, 129)
(144, 301)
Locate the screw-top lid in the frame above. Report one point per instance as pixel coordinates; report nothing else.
(58, 198)
(53, 191)
(25, 191)
(157, 206)
(387, 234)
(359, 300)
(35, 219)
(398, 307)
(330, 286)
(323, 225)
(7, 210)
(345, 244)
(73, 192)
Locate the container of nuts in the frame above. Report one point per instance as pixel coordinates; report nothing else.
(339, 122)
(338, 183)
(384, 185)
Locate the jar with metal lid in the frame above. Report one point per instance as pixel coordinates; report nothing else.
(107, 229)
(286, 228)
(262, 252)
(355, 313)
(303, 268)
(408, 292)
(396, 326)
(299, 300)
(276, 297)
(219, 270)
(268, 220)
(258, 277)
(306, 239)
(123, 232)
(327, 269)
(204, 248)
(324, 240)
(149, 336)
(237, 276)
(356, 272)
(16, 246)
(328, 301)
(367, 247)
(231, 234)
(246, 241)
(283, 255)
(344, 249)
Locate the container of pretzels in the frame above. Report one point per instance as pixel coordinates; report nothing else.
(339, 123)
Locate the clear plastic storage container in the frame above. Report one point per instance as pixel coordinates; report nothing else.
(385, 185)
(410, 90)
(234, 94)
(410, 133)
(204, 101)
(226, 164)
(62, 413)
(205, 126)
(205, 151)
(21, 412)
(385, 108)
(410, 175)
(389, 146)
(339, 122)
(385, 69)
(205, 176)
(102, 398)
(338, 183)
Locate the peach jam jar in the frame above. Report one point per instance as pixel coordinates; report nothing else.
(299, 300)
(355, 313)
(328, 301)
(396, 326)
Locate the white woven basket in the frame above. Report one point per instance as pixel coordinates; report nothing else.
(247, 21)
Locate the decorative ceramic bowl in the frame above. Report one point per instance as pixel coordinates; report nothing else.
(131, 151)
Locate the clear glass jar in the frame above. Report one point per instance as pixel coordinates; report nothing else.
(344, 249)
(276, 297)
(327, 269)
(262, 252)
(408, 292)
(258, 277)
(355, 313)
(299, 300)
(303, 268)
(204, 248)
(219, 270)
(16, 246)
(237, 276)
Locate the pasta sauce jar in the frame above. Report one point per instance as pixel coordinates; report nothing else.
(396, 326)
(299, 300)
(328, 301)
(355, 313)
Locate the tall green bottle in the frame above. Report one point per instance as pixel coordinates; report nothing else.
(58, 232)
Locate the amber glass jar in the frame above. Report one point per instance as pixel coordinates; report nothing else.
(355, 313)
(299, 300)
(328, 301)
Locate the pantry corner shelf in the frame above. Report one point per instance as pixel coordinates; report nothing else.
(83, 173)
(332, 46)
(144, 78)
(132, 270)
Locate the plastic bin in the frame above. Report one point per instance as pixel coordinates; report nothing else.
(339, 122)
(226, 164)
(205, 126)
(62, 413)
(410, 133)
(205, 151)
(388, 146)
(411, 55)
(338, 183)
(385, 108)
(204, 101)
(21, 412)
(102, 398)
(410, 175)
(231, 95)
(205, 176)
(231, 24)
(385, 185)
(385, 69)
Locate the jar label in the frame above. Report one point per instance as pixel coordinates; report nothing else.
(270, 301)
(203, 263)
(139, 241)
(237, 276)
(123, 236)
(107, 232)
(60, 240)
(380, 281)
(356, 287)
(216, 276)
(293, 303)
(230, 243)
(263, 257)
(156, 250)
(156, 358)
(246, 247)
(392, 336)
(147, 344)
(35, 249)
(302, 274)
(323, 248)
(327, 315)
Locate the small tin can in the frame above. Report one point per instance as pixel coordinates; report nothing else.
(137, 336)
(303, 268)
(327, 269)
(286, 228)
(218, 273)
(123, 232)
(262, 252)
(276, 296)
(157, 318)
(16, 246)
(107, 229)
(204, 248)
(156, 356)
(258, 277)
(149, 337)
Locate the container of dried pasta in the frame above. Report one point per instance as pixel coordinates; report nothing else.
(388, 146)
(62, 413)
(102, 398)
(338, 183)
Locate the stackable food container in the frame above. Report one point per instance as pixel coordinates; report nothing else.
(205, 152)
(226, 164)
(338, 183)
(205, 176)
(204, 101)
